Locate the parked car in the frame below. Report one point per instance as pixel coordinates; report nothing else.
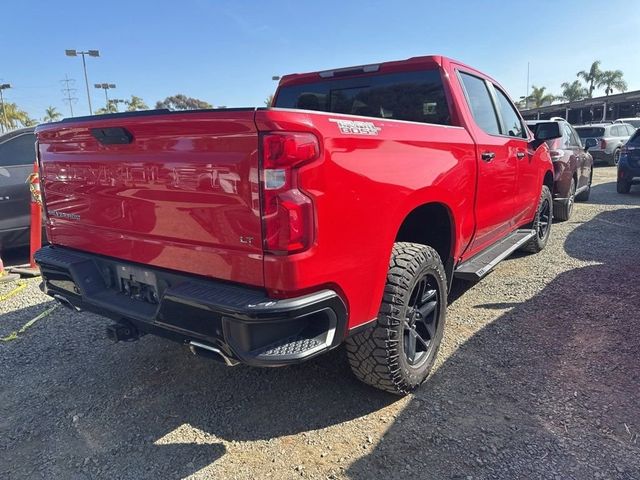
(629, 164)
(572, 168)
(609, 139)
(17, 156)
(633, 121)
(347, 211)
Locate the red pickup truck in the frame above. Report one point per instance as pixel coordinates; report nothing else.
(266, 236)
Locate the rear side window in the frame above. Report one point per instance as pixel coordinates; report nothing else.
(618, 131)
(480, 103)
(590, 132)
(413, 96)
(634, 141)
(510, 117)
(19, 150)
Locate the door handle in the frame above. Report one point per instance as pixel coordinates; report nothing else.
(520, 155)
(488, 156)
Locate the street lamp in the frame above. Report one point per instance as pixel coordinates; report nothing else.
(91, 53)
(275, 78)
(106, 87)
(4, 86)
(116, 101)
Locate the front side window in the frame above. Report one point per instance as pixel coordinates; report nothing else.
(19, 150)
(413, 96)
(480, 103)
(510, 116)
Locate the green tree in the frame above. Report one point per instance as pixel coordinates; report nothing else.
(538, 97)
(12, 117)
(136, 103)
(612, 80)
(51, 114)
(182, 102)
(111, 107)
(574, 91)
(591, 77)
(269, 100)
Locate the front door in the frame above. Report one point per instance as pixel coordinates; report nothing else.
(497, 166)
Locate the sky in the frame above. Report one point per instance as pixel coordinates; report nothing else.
(226, 52)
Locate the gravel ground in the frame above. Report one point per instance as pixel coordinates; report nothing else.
(538, 377)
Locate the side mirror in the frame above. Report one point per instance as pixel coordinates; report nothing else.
(590, 143)
(546, 131)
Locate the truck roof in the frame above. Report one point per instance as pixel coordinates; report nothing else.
(408, 64)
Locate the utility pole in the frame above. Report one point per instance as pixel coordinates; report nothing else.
(91, 53)
(68, 92)
(526, 97)
(4, 86)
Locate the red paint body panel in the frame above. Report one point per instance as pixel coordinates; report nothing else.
(185, 191)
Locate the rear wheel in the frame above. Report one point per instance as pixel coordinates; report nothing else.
(541, 223)
(397, 354)
(622, 186)
(615, 158)
(584, 195)
(563, 209)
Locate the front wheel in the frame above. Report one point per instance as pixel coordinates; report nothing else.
(541, 223)
(397, 354)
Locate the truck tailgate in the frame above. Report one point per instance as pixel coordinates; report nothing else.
(177, 190)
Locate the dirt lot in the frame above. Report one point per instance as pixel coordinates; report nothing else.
(539, 377)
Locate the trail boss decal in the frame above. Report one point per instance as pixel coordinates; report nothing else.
(356, 127)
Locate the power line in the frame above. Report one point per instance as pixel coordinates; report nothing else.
(68, 92)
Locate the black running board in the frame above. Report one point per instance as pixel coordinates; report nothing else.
(477, 267)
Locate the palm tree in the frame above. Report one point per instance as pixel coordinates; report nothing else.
(269, 100)
(12, 117)
(111, 107)
(612, 80)
(538, 96)
(136, 103)
(51, 114)
(574, 91)
(592, 77)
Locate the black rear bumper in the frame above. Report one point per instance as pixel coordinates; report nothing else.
(241, 322)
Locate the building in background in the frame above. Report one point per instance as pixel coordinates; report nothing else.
(612, 107)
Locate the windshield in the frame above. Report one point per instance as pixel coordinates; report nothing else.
(590, 132)
(414, 96)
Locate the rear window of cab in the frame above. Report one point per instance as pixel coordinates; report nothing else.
(412, 96)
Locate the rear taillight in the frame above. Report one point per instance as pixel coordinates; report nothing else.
(556, 154)
(603, 144)
(287, 212)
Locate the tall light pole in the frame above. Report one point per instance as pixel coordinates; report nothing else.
(4, 86)
(91, 53)
(105, 87)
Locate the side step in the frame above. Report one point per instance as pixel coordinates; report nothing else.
(477, 267)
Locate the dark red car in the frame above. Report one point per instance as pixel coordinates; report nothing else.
(267, 236)
(572, 167)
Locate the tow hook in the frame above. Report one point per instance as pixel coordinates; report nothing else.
(122, 332)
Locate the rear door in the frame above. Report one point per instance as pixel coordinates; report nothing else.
(527, 185)
(497, 165)
(584, 166)
(17, 156)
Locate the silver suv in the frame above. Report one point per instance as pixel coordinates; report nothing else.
(609, 139)
(634, 122)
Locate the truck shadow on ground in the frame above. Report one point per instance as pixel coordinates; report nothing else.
(549, 388)
(514, 401)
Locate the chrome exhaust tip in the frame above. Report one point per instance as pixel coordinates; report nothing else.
(66, 303)
(204, 350)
